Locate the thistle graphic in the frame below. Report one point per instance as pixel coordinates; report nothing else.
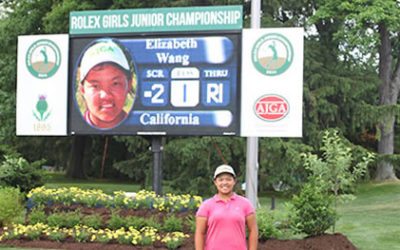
(41, 113)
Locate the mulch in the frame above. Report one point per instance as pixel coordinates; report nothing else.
(323, 242)
(335, 241)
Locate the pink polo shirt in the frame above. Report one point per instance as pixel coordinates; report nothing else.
(226, 222)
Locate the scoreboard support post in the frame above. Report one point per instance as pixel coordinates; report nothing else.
(157, 148)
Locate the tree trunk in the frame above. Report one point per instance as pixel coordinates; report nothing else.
(76, 160)
(388, 94)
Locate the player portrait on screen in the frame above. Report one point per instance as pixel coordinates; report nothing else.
(105, 83)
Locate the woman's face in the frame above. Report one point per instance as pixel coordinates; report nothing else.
(105, 89)
(225, 183)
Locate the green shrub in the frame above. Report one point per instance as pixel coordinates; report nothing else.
(11, 205)
(266, 226)
(37, 215)
(190, 222)
(124, 239)
(172, 224)
(81, 234)
(68, 220)
(56, 220)
(33, 234)
(57, 235)
(116, 221)
(313, 210)
(135, 222)
(94, 220)
(72, 219)
(152, 222)
(18, 172)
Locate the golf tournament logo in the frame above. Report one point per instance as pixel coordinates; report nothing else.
(41, 113)
(272, 54)
(271, 107)
(43, 58)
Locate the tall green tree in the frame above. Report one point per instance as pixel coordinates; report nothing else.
(368, 34)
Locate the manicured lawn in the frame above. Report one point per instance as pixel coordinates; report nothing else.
(57, 180)
(372, 220)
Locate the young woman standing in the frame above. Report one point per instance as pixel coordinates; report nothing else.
(221, 220)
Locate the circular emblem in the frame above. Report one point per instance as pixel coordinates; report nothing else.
(43, 58)
(271, 108)
(272, 54)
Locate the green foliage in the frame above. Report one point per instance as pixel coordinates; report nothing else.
(94, 221)
(33, 234)
(68, 219)
(274, 224)
(313, 211)
(18, 172)
(116, 221)
(174, 243)
(266, 226)
(11, 205)
(336, 170)
(195, 159)
(56, 220)
(81, 234)
(57, 235)
(190, 222)
(135, 222)
(172, 224)
(124, 239)
(359, 20)
(153, 223)
(138, 165)
(37, 215)
(280, 164)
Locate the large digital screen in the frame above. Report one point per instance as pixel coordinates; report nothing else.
(164, 84)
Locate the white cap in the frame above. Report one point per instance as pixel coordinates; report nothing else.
(105, 50)
(224, 169)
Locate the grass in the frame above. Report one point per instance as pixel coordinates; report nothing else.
(372, 220)
(57, 180)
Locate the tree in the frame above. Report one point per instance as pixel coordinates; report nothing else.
(336, 171)
(369, 33)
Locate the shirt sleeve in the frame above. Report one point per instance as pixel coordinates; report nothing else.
(203, 210)
(249, 209)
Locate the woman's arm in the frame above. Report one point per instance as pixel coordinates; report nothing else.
(200, 235)
(251, 222)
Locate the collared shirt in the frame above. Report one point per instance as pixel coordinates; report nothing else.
(226, 222)
(86, 117)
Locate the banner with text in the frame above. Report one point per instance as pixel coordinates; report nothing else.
(42, 85)
(156, 20)
(272, 82)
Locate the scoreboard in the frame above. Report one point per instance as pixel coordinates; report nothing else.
(186, 84)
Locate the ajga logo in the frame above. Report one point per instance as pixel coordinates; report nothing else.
(271, 108)
(272, 54)
(43, 58)
(41, 113)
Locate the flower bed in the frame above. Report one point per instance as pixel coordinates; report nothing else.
(77, 215)
(72, 218)
(97, 198)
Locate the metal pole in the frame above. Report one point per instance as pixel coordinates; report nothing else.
(252, 142)
(157, 148)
